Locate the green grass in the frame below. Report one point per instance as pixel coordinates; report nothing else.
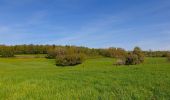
(96, 79)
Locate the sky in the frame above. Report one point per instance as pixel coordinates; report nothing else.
(90, 23)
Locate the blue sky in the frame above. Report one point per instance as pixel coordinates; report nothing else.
(91, 23)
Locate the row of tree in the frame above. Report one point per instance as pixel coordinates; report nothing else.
(27, 49)
(51, 50)
(72, 55)
(46, 49)
(151, 53)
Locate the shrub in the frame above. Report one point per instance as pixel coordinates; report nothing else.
(114, 52)
(69, 59)
(165, 54)
(120, 62)
(168, 57)
(7, 52)
(53, 53)
(137, 51)
(132, 59)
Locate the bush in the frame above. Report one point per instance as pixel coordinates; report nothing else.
(114, 52)
(137, 51)
(7, 52)
(132, 59)
(69, 59)
(53, 53)
(168, 57)
(120, 62)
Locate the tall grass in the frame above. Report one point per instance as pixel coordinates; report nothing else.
(41, 79)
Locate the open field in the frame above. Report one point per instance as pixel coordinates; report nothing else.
(39, 78)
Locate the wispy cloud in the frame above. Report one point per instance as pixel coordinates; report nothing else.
(144, 24)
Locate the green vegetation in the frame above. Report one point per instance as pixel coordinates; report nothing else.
(41, 79)
(168, 57)
(135, 57)
(132, 58)
(70, 59)
(48, 49)
(29, 75)
(66, 56)
(151, 53)
(7, 52)
(52, 53)
(113, 52)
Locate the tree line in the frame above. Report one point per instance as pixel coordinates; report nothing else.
(50, 49)
(151, 53)
(72, 55)
(44, 49)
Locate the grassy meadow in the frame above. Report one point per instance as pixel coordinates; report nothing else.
(28, 78)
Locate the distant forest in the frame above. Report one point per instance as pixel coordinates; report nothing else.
(45, 49)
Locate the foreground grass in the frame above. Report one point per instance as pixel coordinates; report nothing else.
(40, 79)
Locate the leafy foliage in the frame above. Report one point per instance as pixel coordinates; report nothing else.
(113, 52)
(168, 57)
(135, 57)
(137, 51)
(7, 52)
(120, 62)
(151, 53)
(132, 59)
(53, 53)
(69, 59)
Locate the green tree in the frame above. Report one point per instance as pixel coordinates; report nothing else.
(7, 51)
(55, 52)
(135, 57)
(137, 51)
